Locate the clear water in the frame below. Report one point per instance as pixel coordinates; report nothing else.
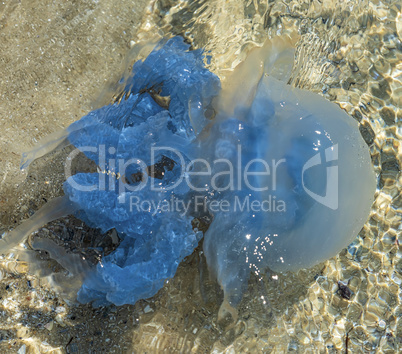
(56, 59)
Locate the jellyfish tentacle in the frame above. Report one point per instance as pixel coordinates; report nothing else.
(52, 210)
(50, 143)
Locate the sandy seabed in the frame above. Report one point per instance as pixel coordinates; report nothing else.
(57, 58)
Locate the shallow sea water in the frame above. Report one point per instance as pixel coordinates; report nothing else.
(59, 59)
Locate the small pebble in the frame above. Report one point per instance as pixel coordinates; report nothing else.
(60, 320)
(49, 326)
(147, 309)
(60, 309)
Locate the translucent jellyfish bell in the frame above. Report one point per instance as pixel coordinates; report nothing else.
(303, 181)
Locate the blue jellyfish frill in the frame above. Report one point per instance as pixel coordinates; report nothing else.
(149, 129)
